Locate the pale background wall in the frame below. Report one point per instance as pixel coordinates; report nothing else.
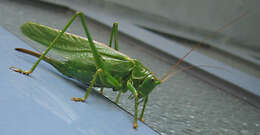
(207, 15)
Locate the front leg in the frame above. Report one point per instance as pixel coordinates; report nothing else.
(118, 96)
(142, 113)
(135, 93)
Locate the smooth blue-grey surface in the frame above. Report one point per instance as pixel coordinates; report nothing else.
(40, 103)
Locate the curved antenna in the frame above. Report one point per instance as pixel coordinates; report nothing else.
(167, 75)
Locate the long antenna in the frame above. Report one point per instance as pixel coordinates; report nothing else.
(167, 75)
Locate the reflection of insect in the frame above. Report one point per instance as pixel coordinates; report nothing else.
(93, 63)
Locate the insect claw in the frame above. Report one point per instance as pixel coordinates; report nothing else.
(14, 69)
(141, 119)
(100, 92)
(135, 125)
(19, 70)
(77, 99)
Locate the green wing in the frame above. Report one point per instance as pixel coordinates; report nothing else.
(75, 48)
(68, 42)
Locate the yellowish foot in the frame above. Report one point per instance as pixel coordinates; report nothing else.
(101, 92)
(135, 125)
(78, 99)
(141, 119)
(19, 70)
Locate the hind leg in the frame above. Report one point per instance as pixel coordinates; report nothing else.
(49, 47)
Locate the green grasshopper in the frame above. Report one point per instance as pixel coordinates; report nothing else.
(94, 63)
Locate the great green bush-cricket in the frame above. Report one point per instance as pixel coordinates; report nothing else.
(94, 63)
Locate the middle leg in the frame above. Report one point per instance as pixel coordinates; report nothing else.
(89, 88)
(101, 91)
